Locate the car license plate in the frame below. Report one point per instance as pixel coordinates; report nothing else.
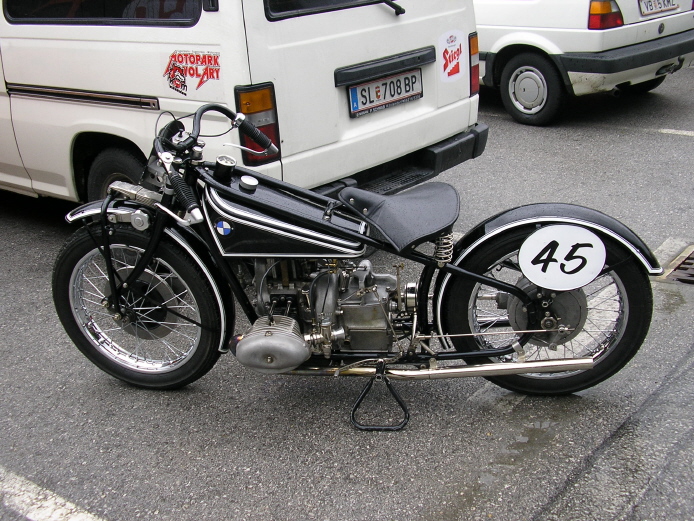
(649, 7)
(384, 93)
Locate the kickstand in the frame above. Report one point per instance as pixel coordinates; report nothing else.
(380, 377)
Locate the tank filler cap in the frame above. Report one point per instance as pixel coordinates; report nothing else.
(248, 183)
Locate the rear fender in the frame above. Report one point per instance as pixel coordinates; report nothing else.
(557, 213)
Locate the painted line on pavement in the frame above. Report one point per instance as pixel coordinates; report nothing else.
(688, 133)
(36, 503)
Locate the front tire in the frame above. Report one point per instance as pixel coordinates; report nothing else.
(611, 315)
(169, 333)
(532, 89)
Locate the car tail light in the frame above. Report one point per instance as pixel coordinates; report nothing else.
(474, 64)
(604, 14)
(257, 102)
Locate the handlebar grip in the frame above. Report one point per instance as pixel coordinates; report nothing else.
(250, 130)
(184, 193)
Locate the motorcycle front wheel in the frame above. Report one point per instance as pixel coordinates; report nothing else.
(609, 317)
(168, 332)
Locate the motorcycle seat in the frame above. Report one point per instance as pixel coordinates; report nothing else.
(408, 218)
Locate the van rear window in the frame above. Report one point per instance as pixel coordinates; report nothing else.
(112, 12)
(280, 9)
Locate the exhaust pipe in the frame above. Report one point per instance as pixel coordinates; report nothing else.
(499, 369)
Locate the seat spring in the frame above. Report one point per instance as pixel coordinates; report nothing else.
(443, 252)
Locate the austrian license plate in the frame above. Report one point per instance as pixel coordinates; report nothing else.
(649, 7)
(384, 93)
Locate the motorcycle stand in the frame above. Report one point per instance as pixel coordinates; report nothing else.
(380, 377)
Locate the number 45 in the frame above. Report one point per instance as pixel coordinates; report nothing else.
(547, 256)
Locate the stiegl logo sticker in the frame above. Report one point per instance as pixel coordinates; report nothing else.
(203, 66)
(451, 51)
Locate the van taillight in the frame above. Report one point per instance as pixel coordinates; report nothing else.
(474, 64)
(257, 102)
(604, 14)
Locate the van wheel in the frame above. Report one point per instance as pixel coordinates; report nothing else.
(532, 90)
(113, 164)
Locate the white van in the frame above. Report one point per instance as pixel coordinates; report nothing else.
(539, 52)
(368, 92)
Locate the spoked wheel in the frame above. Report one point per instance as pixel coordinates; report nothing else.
(608, 318)
(167, 333)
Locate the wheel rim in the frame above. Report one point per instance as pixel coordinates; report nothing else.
(527, 89)
(603, 321)
(158, 332)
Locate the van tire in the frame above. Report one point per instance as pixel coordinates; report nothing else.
(532, 89)
(112, 164)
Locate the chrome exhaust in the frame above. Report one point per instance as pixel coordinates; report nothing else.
(494, 369)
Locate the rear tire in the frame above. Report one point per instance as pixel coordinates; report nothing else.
(112, 164)
(613, 314)
(169, 334)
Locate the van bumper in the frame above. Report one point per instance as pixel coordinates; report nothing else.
(417, 167)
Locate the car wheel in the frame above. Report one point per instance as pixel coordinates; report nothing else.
(111, 165)
(532, 89)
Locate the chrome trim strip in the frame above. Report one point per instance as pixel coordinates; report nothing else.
(83, 96)
(277, 227)
(222, 312)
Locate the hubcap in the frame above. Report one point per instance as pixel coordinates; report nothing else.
(528, 90)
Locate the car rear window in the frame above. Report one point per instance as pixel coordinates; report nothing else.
(281, 9)
(111, 12)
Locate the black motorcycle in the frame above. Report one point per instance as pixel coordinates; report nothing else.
(542, 299)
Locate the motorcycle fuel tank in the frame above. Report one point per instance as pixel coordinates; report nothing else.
(242, 231)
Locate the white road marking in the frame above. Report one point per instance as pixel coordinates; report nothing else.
(36, 503)
(688, 133)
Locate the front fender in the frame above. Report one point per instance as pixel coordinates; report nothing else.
(544, 213)
(187, 240)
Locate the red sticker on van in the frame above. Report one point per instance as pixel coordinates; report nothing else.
(451, 51)
(203, 66)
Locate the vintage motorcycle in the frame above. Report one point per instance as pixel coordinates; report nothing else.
(542, 299)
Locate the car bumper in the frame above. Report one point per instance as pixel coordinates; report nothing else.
(631, 57)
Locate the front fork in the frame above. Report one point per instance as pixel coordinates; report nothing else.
(116, 284)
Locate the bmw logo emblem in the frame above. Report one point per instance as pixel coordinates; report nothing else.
(223, 228)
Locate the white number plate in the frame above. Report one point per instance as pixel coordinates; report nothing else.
(562, 257)
(649, 7)
(385, 93)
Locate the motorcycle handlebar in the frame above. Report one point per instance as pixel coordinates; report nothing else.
(245, 127)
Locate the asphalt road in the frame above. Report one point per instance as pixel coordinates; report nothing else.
(238, 445)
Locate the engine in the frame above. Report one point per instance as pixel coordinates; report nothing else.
(309, 307)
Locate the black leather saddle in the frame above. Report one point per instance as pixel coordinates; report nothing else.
(411, 217)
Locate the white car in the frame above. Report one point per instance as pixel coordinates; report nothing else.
(539, 52)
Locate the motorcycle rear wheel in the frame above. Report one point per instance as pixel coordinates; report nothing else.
(613, 313)
(168, 334)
